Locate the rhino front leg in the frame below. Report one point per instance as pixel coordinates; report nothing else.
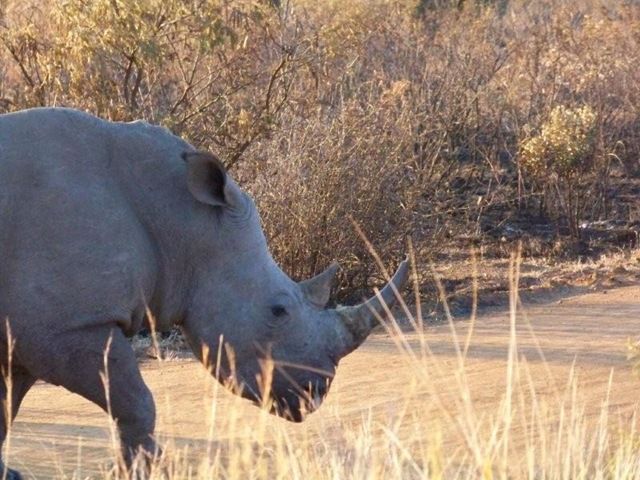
(21, 382)
(80, 366)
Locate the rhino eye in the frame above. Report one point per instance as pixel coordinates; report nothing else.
(278, 311)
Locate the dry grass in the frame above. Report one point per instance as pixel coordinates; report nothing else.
(526, 434)
(156, 346)
(531, 423)
(540, 280)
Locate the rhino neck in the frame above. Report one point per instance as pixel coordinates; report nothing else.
(151, 175)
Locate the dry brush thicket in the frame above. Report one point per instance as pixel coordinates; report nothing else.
(438, 121)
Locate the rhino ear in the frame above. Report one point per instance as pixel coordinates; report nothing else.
(208, 181)
(318, 288)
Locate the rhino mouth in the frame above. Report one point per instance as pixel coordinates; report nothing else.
(289, 409)
(294, 405)
(294, 402)
(296, 408)
(289, 396)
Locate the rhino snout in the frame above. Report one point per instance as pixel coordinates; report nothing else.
(294, 405)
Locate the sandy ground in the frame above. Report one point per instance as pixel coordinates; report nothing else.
(55, 428)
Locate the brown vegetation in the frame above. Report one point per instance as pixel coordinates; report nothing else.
(408, 118)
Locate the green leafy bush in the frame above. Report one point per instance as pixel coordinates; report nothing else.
(560, 160)
(565, 145)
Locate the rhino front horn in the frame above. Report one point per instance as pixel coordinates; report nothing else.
(359, 320)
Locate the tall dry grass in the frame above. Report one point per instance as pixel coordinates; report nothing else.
(523, 434)
(533, 427)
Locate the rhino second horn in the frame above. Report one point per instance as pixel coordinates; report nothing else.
(359, 320)
(318, 288)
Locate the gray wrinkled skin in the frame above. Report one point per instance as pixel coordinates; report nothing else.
(100, 221)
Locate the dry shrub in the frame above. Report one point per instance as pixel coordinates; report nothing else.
(210, 70)
(320, 178)
(406, 117)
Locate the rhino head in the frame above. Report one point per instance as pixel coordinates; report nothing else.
(264, 336)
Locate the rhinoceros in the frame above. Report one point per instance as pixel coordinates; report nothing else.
(104, 222)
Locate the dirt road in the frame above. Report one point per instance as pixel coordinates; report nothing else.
(59, 434)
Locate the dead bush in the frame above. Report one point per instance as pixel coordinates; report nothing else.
(365, 112)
